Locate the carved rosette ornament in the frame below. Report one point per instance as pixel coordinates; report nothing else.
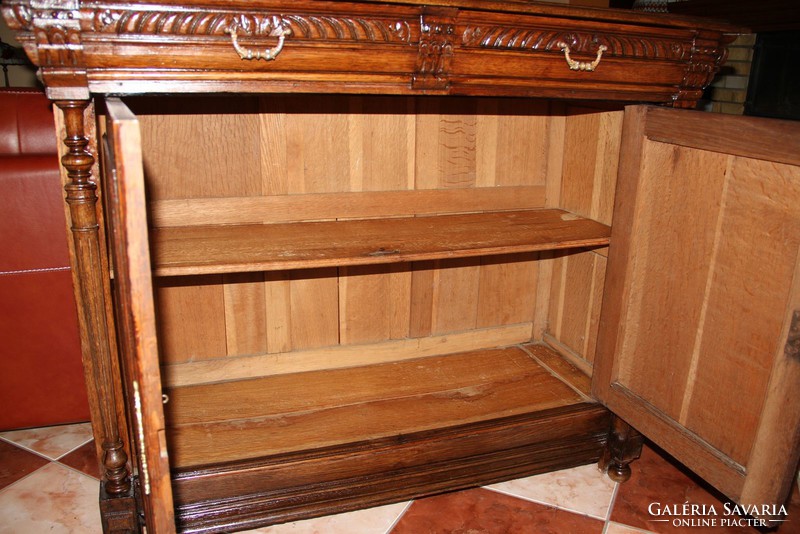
(435, 53)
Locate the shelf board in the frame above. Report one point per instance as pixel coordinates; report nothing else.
(191, 250)
(316, 410)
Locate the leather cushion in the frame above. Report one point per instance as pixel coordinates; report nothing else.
(32, 214)
(26, 123)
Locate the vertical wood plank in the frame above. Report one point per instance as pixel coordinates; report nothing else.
(761, 209)
(245, 313)
(202, 165)
(191, 314)
(374, 303)
(674, 288)
(456, 295)
(446, 143)
(577, 298)
(507, 290)
(421, 312)
(278, 311)
(314, 308)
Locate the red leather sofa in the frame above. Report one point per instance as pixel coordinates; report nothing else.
(41, 376)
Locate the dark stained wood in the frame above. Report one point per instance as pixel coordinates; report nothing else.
(135, 313)
(229, 248)
(221, 498)
(98, 361)
(445, 47)
(624, 446)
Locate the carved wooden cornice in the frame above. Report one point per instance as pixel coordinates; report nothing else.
(108, 46)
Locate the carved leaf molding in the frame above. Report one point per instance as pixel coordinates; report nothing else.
(539, 39)
(310, 27)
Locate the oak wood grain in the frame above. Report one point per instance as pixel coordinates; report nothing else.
(216, 249)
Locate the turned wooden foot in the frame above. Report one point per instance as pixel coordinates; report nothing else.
(624, 445)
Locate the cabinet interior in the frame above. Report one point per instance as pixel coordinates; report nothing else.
(339, 270)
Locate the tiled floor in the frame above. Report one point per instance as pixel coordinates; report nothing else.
(48, 483)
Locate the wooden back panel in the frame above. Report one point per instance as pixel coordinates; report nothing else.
(315, 158)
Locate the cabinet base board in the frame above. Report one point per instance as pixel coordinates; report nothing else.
(245, 495)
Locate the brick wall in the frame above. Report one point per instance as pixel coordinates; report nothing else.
(729, 89)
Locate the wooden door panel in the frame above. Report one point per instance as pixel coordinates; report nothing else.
(700, 294)
(135, 315)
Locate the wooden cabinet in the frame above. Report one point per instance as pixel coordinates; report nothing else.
(349, 284)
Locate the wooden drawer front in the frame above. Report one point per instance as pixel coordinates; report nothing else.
(526, 55)
(320, 46)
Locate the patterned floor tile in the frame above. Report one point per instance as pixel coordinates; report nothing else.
(376, 520)
(488, 512)
(84, 459)
(585, 490)
(15, 463)
(54, 499)
(616, 528)
(656, 479)
(52, 441)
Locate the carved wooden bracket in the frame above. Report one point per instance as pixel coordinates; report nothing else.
(704, 63)
(435, 50)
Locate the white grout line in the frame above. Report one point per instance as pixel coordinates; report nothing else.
(23, 447)
(399, 517)
(75, 448)
(611, 507)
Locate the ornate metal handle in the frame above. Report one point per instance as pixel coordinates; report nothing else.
(581, 65)
(269, 54)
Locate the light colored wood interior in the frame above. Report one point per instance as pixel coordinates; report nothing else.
(706, 280)
(347, 157)
(265, 416)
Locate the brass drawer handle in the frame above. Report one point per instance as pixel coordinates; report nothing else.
(269, 54)
(588, 66)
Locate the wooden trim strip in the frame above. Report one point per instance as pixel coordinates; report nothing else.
(350, 205)
(223, 369)
(750, 137)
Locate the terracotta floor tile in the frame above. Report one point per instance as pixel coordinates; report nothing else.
(616, 528)
(54, 499)
(585, 490)
(376, 520)
(656, 479)
(488, 512)
(84, 459)
(15, 463)
(51, 441)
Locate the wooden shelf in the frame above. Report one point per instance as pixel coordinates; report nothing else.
(315, 410)
(263, 247)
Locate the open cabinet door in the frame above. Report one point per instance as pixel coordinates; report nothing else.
(698, 344)
(136, 329)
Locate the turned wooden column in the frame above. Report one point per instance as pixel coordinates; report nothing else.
(91, 280)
